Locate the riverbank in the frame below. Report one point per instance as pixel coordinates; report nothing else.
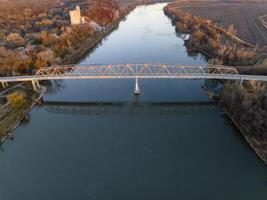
(222, 48)
(11, 116)
(213, 41)
(90, 43)
(245, 104)
(257, 143)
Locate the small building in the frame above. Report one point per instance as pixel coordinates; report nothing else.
(75, 16)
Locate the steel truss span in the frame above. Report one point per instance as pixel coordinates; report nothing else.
(130, 71)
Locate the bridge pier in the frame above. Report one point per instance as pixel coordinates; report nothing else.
(36, 85)
(137, 90)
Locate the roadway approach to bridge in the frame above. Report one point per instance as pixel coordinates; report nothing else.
(133, 71)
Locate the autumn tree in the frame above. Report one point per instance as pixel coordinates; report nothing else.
(15, 39)
(103, 11)
(9, 61)
(16, 99)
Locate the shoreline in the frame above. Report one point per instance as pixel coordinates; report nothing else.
(24, 113)
(91, 43)
(251, 139)
(244, 135)
(228, 115)
(212, 40)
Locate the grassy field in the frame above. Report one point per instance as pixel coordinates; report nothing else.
(244, 17)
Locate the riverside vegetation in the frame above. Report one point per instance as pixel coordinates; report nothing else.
(245, 103)
(20, 99)
(213, 41)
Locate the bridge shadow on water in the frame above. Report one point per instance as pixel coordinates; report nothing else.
(135, 107)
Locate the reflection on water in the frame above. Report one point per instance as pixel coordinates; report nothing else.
(128, 108)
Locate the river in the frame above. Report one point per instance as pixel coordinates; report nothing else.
(80, 151)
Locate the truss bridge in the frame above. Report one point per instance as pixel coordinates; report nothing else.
(132, 71)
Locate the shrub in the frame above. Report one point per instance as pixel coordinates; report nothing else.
(16, 98)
